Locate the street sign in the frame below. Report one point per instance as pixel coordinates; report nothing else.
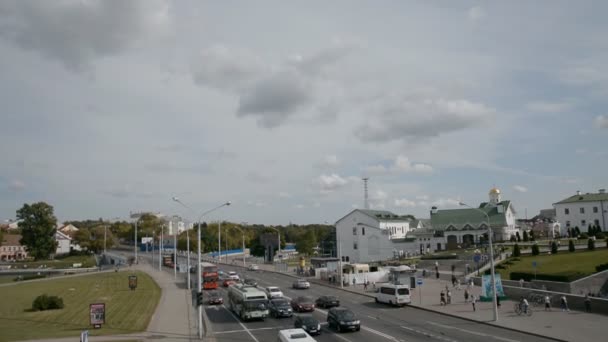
(132, 282)
(419, 281)
(97, 314)
(477, 258)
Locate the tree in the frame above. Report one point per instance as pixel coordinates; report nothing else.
(516, 251)
(553, 247)
(569, 232)
(306, 243)
(526, 236)
(577, 231)
(590, 244)
(535, 249)
(531, 235)
(92, 239)
(517, 236)
(122, 230)
(513, 238)
(38, 226)
(571, 246)
(591, 230)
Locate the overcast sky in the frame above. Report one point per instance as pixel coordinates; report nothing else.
(281, 107)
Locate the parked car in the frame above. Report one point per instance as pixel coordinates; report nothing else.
(273, 292)
(303, 303)
(227, 282)
(250, 282)
(301, 284)
(327, 301)
(294, 335)
(279, 307)
(253, 267)
(343, 319)
(310, 324)
(214, 298)
(394, 294)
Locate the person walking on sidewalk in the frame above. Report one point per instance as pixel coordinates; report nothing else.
(365, 286)
(442, 299)
(498, 300)
(449, 296)
(547, 303)
(587, 303)
(564, 303)
(466, 295)
(473, 299)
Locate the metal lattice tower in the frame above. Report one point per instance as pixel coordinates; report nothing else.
(365, 193)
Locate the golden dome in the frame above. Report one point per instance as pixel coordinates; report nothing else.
(494, 191)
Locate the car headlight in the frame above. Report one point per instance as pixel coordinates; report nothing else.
(318, 326)
(357, 322)
(288, 310)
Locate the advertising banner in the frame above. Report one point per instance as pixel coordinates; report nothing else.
(132, 282)
(97, 313)
(487, 292)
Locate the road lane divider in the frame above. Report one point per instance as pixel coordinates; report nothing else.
(473, 332)
(424, 333)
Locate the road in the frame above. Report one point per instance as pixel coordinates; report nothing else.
(378, 322)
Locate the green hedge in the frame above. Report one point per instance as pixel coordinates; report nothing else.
(561, 277)
(44, 302)
(601, 267)
(30, 277)
(439, 257)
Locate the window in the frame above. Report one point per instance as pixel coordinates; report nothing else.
(387, 290)
(355, 245)
(597, 222)
(354, 230)
(583, 223)
(567, 211)
(594, 209)
(582, 210)
(362, 230)
(567, 223)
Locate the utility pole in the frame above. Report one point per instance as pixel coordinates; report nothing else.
(174, 253)
(136, 259)
(160, 248)
(219, 241)
(105, 233)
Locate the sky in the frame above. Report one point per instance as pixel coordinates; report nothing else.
(112, 107)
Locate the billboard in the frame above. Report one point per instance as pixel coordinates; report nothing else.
(97, 314)
(487, 292)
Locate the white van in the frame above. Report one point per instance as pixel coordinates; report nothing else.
(394, 294)
(294, 335)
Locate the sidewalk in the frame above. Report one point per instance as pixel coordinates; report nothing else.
(569, 326)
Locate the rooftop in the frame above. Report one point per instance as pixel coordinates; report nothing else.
(588, 197)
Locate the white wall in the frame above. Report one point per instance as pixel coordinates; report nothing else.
(575, 217)
(63, 246)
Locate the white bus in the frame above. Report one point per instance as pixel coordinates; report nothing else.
(394, 294)
(248, 302)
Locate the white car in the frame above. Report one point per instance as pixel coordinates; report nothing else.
(301, 284)
(273, 292)
(254, 267)
(232, 275)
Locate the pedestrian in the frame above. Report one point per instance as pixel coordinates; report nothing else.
(458, 284)
(521, 282)
(587, 303)
(365, 286)
(466, 295)
(473, 300)
(354, 282)
(449, 296)
(374, 284)
(437, 272)
(442, 299)
(453, 280)
(564, 303)
(423, 273)
(547, 303)
(498, 301)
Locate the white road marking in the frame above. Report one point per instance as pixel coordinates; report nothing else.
(241, 324)
(474, 332)
(389, 337)
(428, 334)
(256, 329)
(372, 317)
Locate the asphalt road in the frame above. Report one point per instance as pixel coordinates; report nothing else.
(378, 322)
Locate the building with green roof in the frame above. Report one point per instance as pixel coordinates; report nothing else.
(583, 210)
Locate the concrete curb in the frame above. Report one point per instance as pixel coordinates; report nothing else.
(423, 308)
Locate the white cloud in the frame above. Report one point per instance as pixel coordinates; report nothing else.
(476, 13)
(601, 121)
(377, 199)
(400, 164)
(331, 183)
(331, 161)
(16, 185)
(284, 195)
(548, 107)
(77, 32)
(446, 202)
(299, 206)
(414, 119)
(227, 67)
(375, 170)
(520, 188)
(404, 203)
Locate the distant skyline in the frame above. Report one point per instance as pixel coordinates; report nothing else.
(282, 108)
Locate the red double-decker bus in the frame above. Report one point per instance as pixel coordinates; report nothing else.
(209, 275)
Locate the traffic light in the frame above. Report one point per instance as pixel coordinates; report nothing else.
(199, 299)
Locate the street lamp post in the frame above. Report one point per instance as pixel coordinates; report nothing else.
(160, 247)
(243, 247)
(105, 233)
(198, 282)
(493, 278)
(279, 235)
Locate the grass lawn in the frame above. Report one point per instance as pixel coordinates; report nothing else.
(67, 262)
(7, 279)
(126, 311)
(583, 262)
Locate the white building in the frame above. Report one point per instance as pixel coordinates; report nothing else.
(64, 243)
(582, 210)
(373, 235)
(176, 224)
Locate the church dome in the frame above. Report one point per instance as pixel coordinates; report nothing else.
(494, 191)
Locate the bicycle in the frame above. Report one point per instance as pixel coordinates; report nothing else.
(519, 311)
(536, 299)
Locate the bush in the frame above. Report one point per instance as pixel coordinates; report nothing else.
(562, 277)
(571, 247)
(30, 277)
(600, 235)
(535, 249)
(516, 251)
(44, 302)
(513, 238)
(590, 244)
(583, 236)
(553, 247)
(525, 236)
(601, 267)
(439, 257)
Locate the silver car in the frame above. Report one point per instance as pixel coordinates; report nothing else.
(301, 284)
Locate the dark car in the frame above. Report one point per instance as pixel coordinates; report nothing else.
(310, 324)
(250, 282)
(214, 297)
(303, 304)
(280, 308)
(327, 301)
(342, 319)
